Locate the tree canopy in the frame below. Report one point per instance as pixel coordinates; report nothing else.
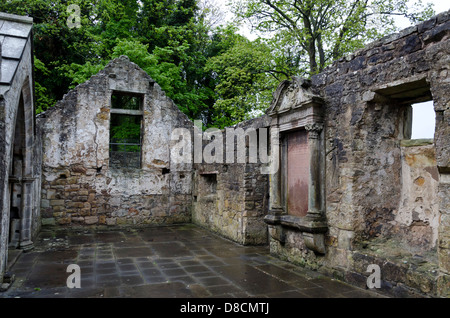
(307, 35)
(210, 71)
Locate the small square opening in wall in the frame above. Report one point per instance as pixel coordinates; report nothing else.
(209, 185)
(423, 121)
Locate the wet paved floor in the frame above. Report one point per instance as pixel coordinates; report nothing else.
(165, 262)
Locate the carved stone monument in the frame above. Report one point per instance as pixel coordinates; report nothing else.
(297, 189)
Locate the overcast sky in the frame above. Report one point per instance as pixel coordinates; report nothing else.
(438, 6)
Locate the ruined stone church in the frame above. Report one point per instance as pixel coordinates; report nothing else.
(348, 186)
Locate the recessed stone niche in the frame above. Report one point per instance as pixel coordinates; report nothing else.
(297, 188)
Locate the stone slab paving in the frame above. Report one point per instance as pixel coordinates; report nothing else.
(163, 262)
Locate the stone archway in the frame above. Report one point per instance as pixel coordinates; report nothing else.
(16, 91)
(21, 173)
(15, 177)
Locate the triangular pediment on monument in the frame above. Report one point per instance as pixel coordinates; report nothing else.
(292, 94)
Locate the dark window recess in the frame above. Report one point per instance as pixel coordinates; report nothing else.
(210, 183)
(125, 131)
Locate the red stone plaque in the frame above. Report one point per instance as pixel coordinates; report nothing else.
(297, 173)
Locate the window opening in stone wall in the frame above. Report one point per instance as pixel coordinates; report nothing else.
(423, 121)
(417, 101)
(209, 183)
(126, 131)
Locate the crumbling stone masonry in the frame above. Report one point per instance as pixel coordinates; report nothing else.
(84, 182)
(350, 188)
(19, 156)
(231, 198)
(377, 197)
(82, 185)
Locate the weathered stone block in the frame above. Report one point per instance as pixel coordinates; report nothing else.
(58, 208)
(83, 192)
(77, 220)
(424, 282)
(57, 202)
(69, 190)
(91, 198)
(64, 221)
(76, 205)
(249, 205)
(410, 44)
(444, 259)
(45, 204)
(102, 219)
(59, 182)
(122, 221)
(59, 214)
(79, 169)
(48, 221)
(51, 194)
(90, 220)
(443, 285)
(72, 180)
(85, 212)
(345, 239)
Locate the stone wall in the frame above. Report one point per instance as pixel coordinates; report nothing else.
(80, 188)
(376, 198)
(384, 200)
(417, 219)
(231, 199)
(19, 176)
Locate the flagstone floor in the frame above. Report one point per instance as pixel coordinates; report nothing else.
(163, 262)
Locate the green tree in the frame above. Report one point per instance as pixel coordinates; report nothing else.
(55, 44)
(212, 74)
(245, 76)
(67, 56)
(307, 35)
(172, 44)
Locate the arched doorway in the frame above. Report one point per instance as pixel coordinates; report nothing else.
(16, 173)
(21, 177)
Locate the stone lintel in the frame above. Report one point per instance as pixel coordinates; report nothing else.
(127, 112)
(202, 173)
